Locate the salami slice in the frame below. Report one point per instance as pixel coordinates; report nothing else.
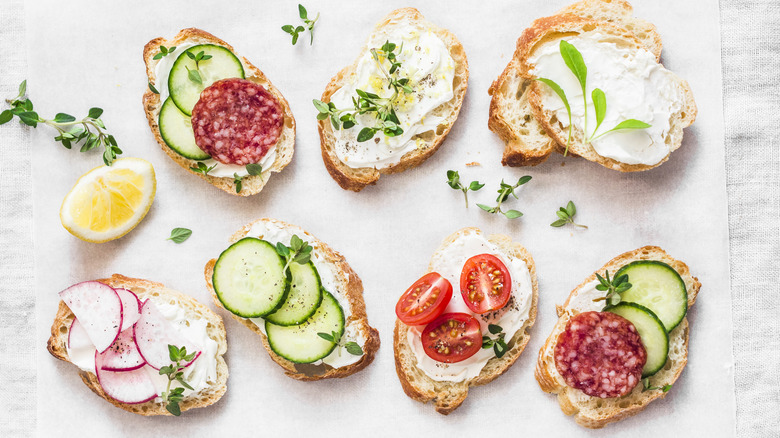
(236, 121)
(601, 354)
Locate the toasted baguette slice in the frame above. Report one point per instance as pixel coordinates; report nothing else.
(145, 289)
(348, 285)
(251, 184)
(596, 412)
(515, 110)
(448, 396)
(356, 179)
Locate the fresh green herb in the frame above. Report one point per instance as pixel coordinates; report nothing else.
(499, 345)
(238, 181)
(164, 51)
(573, 59)
(387, 121)
(646, 386)
(175, 373)
(153, 89)
(89, 131)
(503, 193)
(298, 251)
(179, 235)
(202, 168)
(352, 347)
(613, 287)
(566, 216)
(254, 169)
(194, 75)
(453, 179)
(296, 30)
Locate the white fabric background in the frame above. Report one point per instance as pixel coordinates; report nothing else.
(753, 168)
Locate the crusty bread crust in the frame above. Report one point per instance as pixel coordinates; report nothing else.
(594, 412)
(251, 184)
(57, 344)
(531, 133)
(356, 179)
(448, 396)
(351, 287)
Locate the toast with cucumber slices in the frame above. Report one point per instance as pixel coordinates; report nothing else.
(300, 296)
(529, 122)
(178, 71)
(651, 293)
(130, 364)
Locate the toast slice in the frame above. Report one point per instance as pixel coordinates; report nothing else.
(593, 412)
(348, 285)
(145, 289)
(285, 145)
(448, 396)
(355, 179)
(515, 109)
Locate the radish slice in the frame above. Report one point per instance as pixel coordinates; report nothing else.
(131, 307)
(153, 334)
(99, 309)
(77, 336)
(123, 354)
(125, 386)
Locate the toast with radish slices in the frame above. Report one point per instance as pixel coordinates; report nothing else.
(123, 332)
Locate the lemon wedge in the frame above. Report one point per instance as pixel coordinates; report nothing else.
(109, 201)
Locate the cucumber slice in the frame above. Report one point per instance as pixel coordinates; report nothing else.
(658, 287)
(249, 278)
(651, 331)
(176, 131)
(304, 298)
(301, 343)
(184, 91)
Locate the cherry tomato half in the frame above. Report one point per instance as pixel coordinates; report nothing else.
(453, 337)
(485, 283)
(424, 300)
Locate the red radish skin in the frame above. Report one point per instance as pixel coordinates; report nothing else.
(98, 308)
(123, 354)
(131, 307)
(153, 334)
(131, 387)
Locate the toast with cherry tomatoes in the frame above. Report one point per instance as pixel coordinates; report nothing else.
(446, 396)
(596, 411)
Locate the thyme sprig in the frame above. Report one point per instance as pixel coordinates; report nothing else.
(613, 287)
(175, 373)
(503, 194)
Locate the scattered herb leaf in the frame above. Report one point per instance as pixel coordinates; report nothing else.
(566, 216)
(503, 194)
(179, 235)
(453, 179)
(295, 31)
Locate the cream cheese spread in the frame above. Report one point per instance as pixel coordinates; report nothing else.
(339, 357)
(635, 85)
(583, 301)
(201, 374)
(426, 61)
(449, 264)
(161, 72)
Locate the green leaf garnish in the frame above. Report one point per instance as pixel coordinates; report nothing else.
(194, 75)
(89, 131)
(326, 336)
(559, 91)
(646, 386)
(175, 373)
(353, 348)
(573, 59)
(254, 169)
(238, 181)
(566, 216)
(202, 168)
(299, 251)
(613, 288)
(453, 180)
(600, 106)
(295, 31)
(153, 89)
(164, 51)
(498, 344)
(179, 235)
(504, 191)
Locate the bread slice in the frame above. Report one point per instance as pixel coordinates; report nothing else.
(448, 396)
(251, 184)
(356, 179)
(530, 133)
(145, 289)
(596, 412)
(349, 285)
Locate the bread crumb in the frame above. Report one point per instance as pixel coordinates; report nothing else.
(473, 164)
(563, 163)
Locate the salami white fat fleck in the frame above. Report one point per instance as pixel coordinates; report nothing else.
(237, 121)
(601, 354)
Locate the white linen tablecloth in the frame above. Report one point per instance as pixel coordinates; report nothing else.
(751, 71)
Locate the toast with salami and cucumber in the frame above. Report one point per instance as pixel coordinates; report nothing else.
(122, 337)
(621, 340)
(299, 295)
(445, 342)
(216, 114)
